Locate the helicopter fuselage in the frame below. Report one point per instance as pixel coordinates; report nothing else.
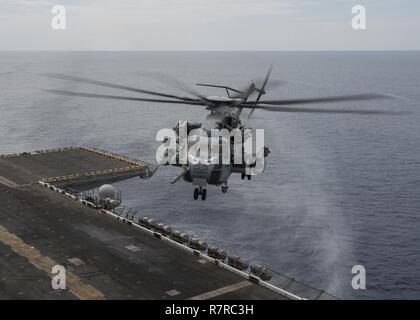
(224, 113)
(200, 174)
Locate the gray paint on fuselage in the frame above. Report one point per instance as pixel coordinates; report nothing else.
(218, 114)
(214, 174)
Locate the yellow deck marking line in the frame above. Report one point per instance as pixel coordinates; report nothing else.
(112, 155)
(134, 165)
(74, 283)
(92, 173)
(220, 291)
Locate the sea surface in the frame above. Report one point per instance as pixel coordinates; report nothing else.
(338, 191)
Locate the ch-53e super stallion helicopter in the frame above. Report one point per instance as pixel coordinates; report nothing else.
(225, 112)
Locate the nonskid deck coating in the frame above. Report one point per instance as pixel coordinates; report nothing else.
(104, 258)
(62, 229)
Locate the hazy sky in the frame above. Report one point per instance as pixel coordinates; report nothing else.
(209, 25)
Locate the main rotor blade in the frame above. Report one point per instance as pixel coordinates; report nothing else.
(360, 97)
(320, 110)
(105, 96)
(115, 86)
(169, 80)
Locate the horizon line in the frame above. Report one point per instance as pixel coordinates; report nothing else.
(210, 50)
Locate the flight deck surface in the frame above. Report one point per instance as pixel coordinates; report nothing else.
(76, 167)
(103, 259)
(116, 260)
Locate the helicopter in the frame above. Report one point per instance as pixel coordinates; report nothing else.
(224, 113)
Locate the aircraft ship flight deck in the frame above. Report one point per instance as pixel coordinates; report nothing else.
(48, 218)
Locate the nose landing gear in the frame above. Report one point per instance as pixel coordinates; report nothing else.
(200, 191)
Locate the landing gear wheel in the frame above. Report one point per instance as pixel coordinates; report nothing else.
(203, 194)
(224, 189)
(249, 177)
(195, 193)
(243, 176)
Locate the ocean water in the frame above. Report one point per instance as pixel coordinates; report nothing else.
(338, 191)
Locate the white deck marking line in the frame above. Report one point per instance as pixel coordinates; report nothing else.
(132, 248)
(8, 183)
(76, 286)
(30, 173)
(77, 262)
(223, 290)
(172, 292)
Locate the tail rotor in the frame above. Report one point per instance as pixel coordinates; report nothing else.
(261, 91)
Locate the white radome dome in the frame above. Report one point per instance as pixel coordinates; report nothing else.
(107, 192)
